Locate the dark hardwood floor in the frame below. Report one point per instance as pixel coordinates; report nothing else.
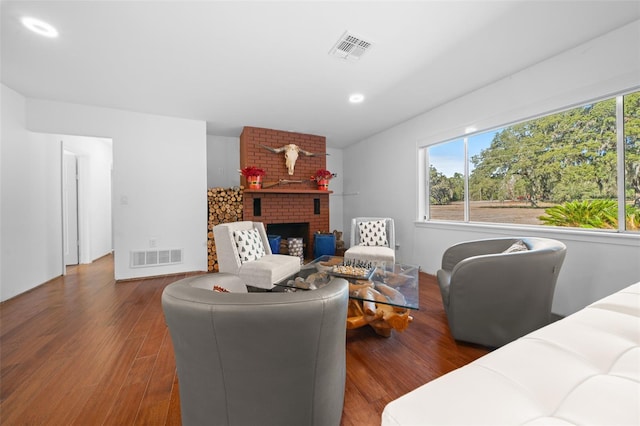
(85, 350)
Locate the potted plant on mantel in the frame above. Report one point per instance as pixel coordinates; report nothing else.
(322, 177)
(254, 176)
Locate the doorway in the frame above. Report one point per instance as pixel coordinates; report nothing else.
(86, 180)
(71, 242)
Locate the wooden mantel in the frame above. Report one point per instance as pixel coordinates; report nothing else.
(287, 191)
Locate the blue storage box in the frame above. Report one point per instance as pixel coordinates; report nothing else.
(274, 243)
(324, 244)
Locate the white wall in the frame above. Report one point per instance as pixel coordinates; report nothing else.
(95, 161)
(31, 233)
(30, 199)
(223, 161)
(336, 185)
(595, 265)
(159, 179)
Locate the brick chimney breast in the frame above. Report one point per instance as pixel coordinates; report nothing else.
(285, 203)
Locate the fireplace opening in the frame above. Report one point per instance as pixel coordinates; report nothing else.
(290, 230)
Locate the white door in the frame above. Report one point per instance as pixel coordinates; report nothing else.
(70, 200)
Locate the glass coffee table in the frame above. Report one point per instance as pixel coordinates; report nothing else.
(381, 296)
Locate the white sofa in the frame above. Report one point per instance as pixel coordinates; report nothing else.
(583, 369)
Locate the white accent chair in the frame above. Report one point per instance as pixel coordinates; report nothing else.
(358, 249)
(262, 273)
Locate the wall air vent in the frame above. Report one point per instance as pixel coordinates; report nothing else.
(144, 258)
(350, 46)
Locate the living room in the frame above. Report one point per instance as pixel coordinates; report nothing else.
(160, 170)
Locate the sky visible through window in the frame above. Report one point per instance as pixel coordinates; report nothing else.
(448, 158)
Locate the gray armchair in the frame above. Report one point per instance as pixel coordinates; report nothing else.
(259, 358)
(492, 297)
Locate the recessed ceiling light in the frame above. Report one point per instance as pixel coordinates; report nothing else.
(356, 98)
(40, 27)
(470, 129)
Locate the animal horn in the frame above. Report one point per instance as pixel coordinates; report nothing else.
(311, 154)
(276, 150)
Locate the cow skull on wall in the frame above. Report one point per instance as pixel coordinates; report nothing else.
(291, 154)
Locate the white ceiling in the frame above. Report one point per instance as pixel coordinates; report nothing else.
(266, 64)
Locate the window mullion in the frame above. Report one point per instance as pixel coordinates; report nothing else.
(466, 179)
(426, 214)
(621, 164)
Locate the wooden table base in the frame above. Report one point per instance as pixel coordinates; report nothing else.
(381, 317)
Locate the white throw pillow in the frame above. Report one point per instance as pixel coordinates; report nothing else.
(249, 245)
(373, 233)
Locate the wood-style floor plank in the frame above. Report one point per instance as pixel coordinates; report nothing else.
(155, 403)
(101, 398)
(85, 350)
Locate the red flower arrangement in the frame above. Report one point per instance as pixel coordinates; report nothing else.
(252, 171)
(323, 174)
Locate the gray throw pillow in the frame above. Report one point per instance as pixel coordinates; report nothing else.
(516, 247)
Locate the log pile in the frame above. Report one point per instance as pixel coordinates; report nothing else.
(224, 205)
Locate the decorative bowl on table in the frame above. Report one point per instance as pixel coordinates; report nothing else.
(395, 280)
(328, 265)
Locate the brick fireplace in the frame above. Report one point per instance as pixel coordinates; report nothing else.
(285, 203)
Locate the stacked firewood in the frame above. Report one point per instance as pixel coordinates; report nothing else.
(225, 205)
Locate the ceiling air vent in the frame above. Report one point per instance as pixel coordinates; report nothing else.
(350, 46)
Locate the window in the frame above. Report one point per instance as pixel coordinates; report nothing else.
(561, 169)
(631, 123)
(446, 181)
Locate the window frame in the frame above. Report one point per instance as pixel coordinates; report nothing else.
(424, 163)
